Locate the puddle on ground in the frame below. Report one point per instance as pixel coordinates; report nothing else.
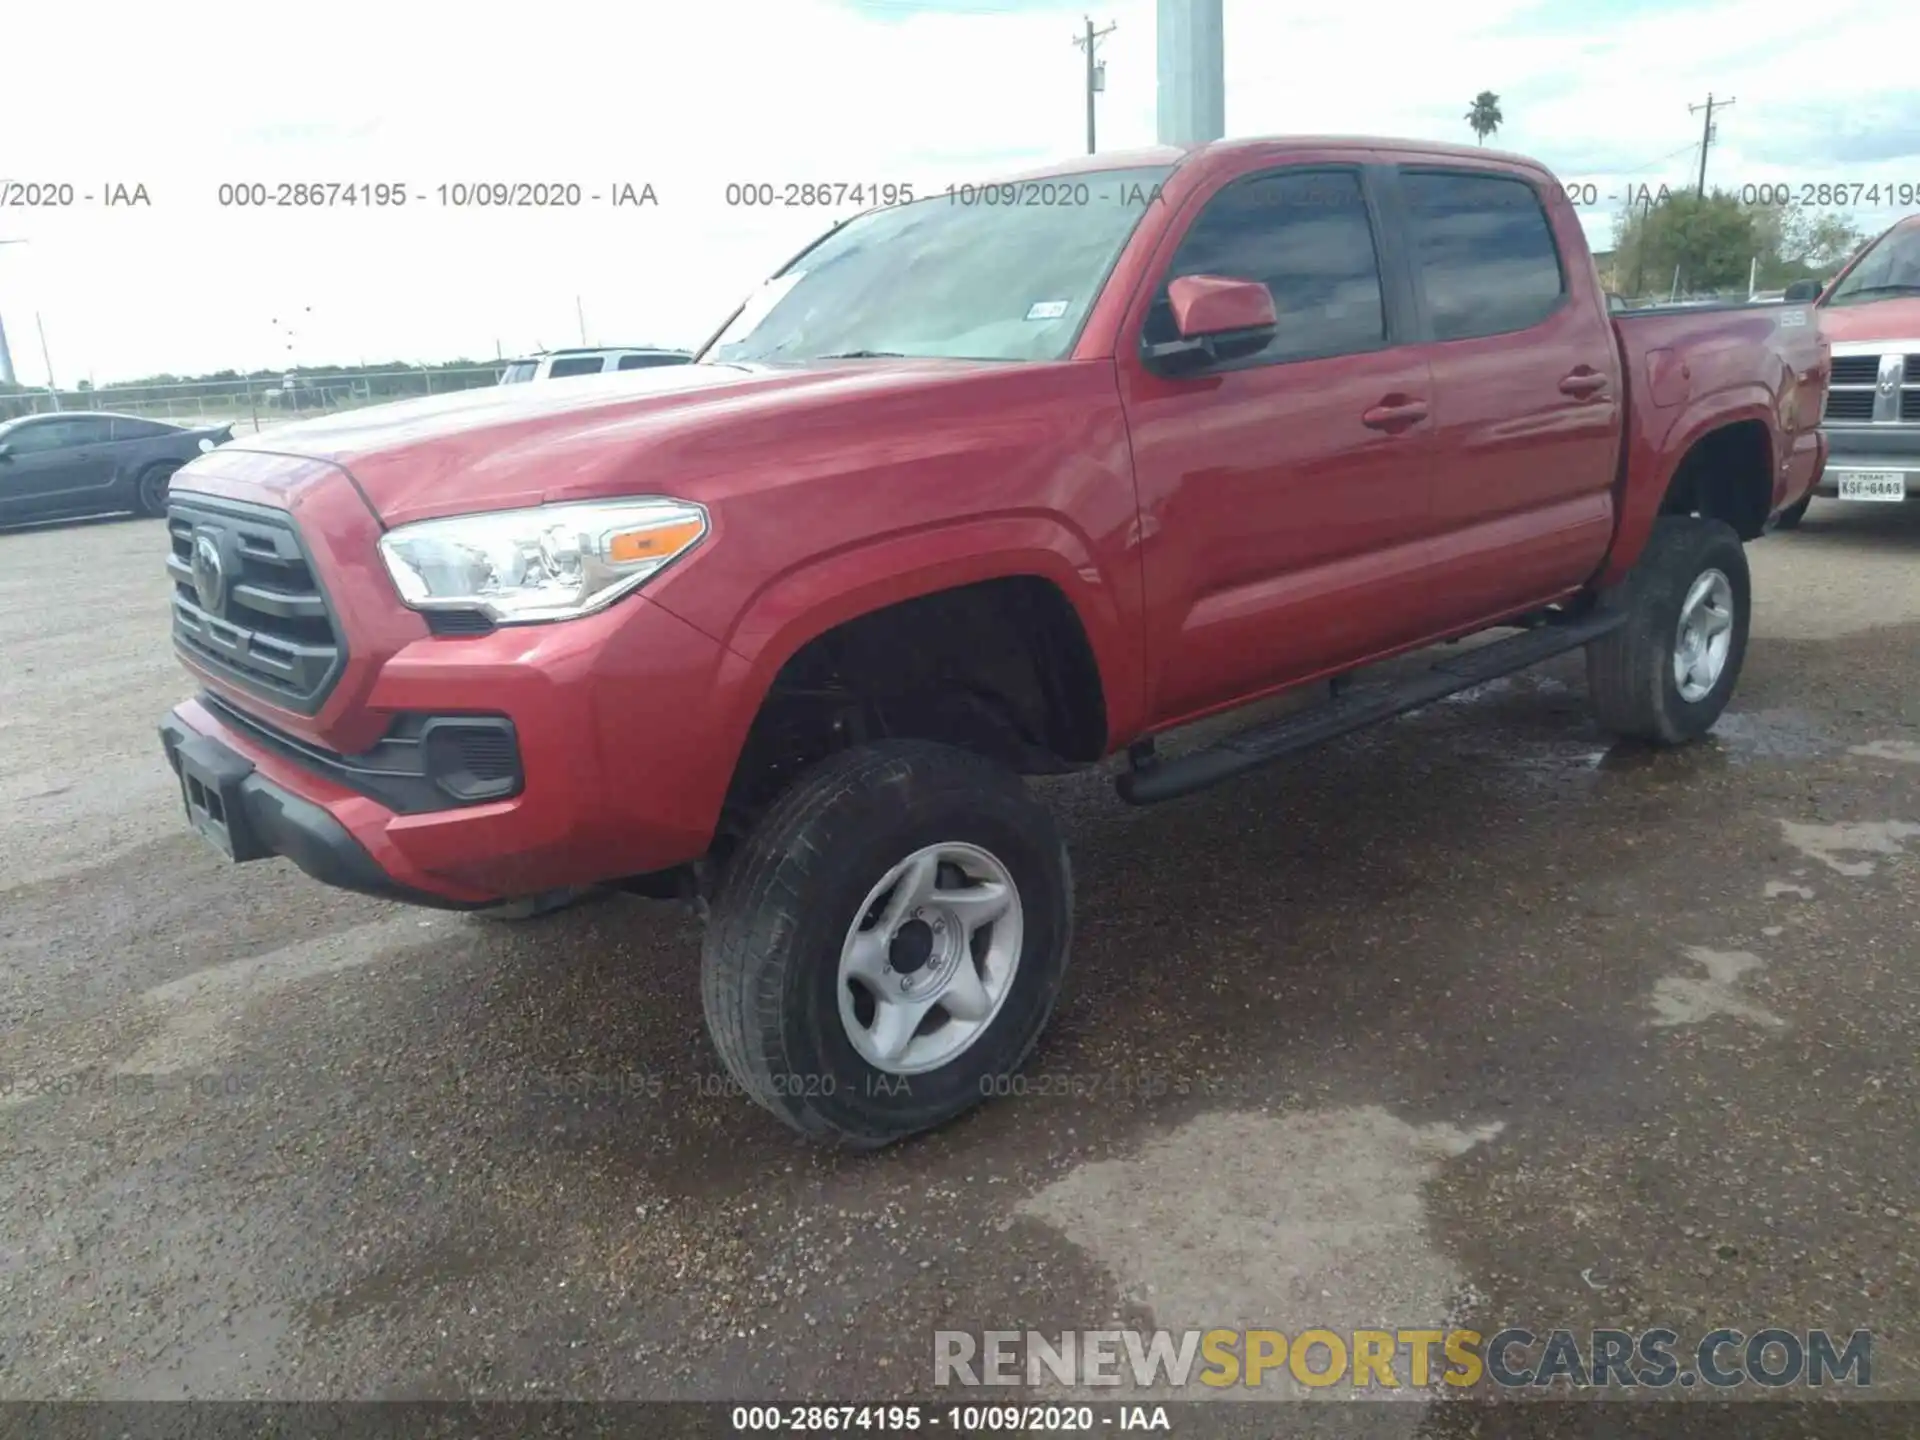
(1770, 735)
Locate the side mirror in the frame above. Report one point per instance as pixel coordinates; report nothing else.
(1802, 291)
(1218, 318)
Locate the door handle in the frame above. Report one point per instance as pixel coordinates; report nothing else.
(1582, 383)
(1394, 414)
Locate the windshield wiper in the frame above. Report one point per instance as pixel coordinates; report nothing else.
(863, 355)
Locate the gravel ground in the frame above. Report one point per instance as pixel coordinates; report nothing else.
(1470, 1019)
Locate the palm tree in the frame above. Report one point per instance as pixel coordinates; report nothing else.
(1485, 116)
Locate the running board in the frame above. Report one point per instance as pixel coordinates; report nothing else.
(1358, 708)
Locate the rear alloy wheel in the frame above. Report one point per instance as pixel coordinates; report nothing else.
(150, 494)
(1666, 674)
(889, 942)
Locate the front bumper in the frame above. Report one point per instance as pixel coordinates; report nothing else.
(249, 817)
(624, 764)
(1881, 449)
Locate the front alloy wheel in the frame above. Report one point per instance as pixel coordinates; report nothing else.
(931, 959)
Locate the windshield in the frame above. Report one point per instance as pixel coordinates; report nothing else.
(518, 371)
(1891, 267)
(993, 272)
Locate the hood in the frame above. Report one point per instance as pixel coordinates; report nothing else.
(1895, 318)
(637, 432)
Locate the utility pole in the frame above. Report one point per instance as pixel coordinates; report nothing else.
(1190, 106)
(1706, 135)
(6, 356)
(46, 359)
(580, 315)
(1640, 260)
(1096, 73)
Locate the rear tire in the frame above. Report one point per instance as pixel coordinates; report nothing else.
(150, 490)
(1665, 675)
(1791, 517)
(826, 981)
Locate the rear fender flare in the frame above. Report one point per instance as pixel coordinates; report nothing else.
(1641, 502)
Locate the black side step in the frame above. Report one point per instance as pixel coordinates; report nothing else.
(1357, 708)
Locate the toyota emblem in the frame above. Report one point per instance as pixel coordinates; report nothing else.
(209, 574)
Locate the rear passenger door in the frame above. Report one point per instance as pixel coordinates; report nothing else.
(1526, 388)
(1284, 497)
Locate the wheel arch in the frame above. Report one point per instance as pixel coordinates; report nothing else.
(1720, 459)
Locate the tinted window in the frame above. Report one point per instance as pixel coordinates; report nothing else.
(576, 365)
(1304, 234)
(140, 429)
(55, 435)
(647, 362)
(1484, 251)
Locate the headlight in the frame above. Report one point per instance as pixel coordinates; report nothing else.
(552, 562)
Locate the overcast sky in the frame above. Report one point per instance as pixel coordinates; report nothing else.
(690, 97)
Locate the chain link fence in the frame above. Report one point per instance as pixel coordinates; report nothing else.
(251, 403)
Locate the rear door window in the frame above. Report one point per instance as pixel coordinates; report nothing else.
(1483, 251)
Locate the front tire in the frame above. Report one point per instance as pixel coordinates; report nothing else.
(150, 490)
(889, 942)
(1665, 675)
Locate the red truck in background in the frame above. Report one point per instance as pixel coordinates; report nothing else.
(1870, 318)
(1002, 482)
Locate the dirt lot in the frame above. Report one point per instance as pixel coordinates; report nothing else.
(1471, 1019)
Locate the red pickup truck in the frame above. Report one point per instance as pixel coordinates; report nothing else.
(1870, 318)
(1007, 481)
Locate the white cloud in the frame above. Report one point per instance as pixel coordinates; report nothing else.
(690, 97)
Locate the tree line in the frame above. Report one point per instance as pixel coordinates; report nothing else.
(1713, 242)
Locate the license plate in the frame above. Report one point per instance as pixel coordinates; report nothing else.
(1873, 485)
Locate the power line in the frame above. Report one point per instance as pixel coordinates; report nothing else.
(1096, 73)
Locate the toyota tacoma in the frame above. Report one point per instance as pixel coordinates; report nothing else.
(1008, 482)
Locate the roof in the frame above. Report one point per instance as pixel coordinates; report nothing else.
(94, 415)
(607, 350)
(1173, 154)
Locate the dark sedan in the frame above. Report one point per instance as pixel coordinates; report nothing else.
(82, 462)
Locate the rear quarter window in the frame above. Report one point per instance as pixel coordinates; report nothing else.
(1484, 252)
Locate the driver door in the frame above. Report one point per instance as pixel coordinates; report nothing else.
(1285, 498)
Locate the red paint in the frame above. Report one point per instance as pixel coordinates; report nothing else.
(1220, 536)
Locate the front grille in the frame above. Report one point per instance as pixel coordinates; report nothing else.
(1849, 404)
(256, 615)
(1856, 369)
(1910, 403)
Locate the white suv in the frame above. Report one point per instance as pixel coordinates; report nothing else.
(558, 364)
